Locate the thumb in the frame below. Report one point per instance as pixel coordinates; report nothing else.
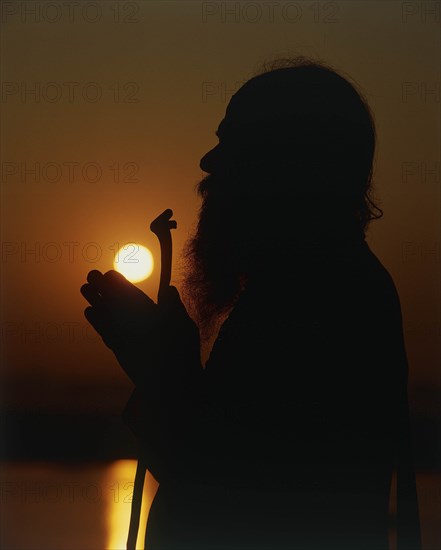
(170, 300)
(177, 319)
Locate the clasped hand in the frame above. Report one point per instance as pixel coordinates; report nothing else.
(148, 339)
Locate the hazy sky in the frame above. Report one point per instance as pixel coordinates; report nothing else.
(107, 109)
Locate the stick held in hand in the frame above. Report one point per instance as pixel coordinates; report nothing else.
(161, 227)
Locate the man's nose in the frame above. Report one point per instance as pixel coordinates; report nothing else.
(210, 161)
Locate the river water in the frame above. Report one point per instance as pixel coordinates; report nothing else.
(76, 506)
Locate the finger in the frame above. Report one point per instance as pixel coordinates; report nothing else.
(114, 283)
(91, 295)
(170, 303)
(117, 288)
(111, 285)
(169, 299)
(113, 275)
(98, 320)
(94, 277)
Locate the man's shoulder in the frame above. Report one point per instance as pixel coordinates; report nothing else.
(380, 281)
(354, 293)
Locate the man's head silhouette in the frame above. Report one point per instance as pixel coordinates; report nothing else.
(292, 170)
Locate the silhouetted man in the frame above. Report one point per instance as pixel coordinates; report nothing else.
(288, 437)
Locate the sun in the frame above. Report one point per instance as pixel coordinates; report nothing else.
(134, 261)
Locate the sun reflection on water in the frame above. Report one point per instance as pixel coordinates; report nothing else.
(120, 479)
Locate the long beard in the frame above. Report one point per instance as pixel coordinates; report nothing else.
(238, 225)
(213, 257)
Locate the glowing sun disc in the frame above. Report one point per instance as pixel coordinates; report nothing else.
(134, 261)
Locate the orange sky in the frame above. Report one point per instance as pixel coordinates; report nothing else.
(137, 95)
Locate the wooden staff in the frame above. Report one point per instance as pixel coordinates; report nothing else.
(161, 227)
